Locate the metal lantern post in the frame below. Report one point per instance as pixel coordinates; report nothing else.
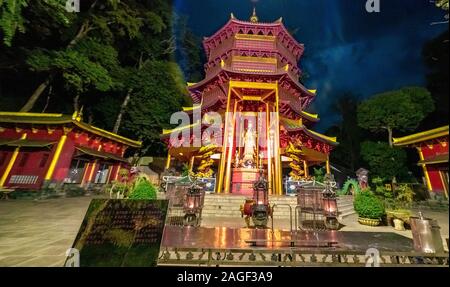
(329, 206)
(193, 204)
(261, 208)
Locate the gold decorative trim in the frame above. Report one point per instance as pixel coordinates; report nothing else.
(422, 136)
(255, 37)
(255, 71)
(255, 59)
(21, 114)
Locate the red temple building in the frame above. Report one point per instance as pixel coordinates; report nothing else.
(38, 149)
(432, 147)
(252, 82)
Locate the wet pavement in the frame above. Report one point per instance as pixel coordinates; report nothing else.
(245, 238)
(38, 233)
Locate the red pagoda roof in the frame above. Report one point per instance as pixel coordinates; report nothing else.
(233, 26)
(297, 125)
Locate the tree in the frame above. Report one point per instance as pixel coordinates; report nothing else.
(347, 153)
(12, 19)
(189, 52)
(384, 161)
(161, 92)
(436, 58)
(104, 20)
(401, 110)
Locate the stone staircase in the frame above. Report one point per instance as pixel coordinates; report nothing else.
(220, 205)
(345, 206)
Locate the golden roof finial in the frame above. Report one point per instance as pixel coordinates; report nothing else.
(78, 115)
(232, 16)
(254, 18)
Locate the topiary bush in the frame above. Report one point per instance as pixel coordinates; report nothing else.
(143, 189)
(367, 205)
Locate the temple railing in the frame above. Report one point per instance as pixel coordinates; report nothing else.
(296, 258)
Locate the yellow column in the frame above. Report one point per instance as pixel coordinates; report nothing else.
(230, 152)
(94, 164)
(305, 167)
(91, 173)
(169, 158)
(55, 158)
(224, 144)
(328, 166)
(269, 148)
(425, 171)
(11, 163)
(116, 176)
(277, 153)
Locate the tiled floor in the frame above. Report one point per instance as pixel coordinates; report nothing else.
(38, 233)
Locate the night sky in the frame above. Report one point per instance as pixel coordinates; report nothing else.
(347, 49)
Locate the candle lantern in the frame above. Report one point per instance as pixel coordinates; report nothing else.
(260, 209)
(329, 206)
(193, 204)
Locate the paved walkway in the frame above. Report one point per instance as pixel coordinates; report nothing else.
(37, 233)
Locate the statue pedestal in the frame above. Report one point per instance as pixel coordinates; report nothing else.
(242, 181)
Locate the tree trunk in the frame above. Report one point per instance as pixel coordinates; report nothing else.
(84, 29)
(35, 96)
(390, 137)
(122, 111)
(76, 105)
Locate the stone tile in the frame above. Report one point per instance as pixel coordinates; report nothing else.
(53, 250)
(9, 261)
(41, 261)
(23, 251)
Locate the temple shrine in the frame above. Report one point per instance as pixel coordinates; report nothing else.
(432, 146)
(39, 150)
(252, 82)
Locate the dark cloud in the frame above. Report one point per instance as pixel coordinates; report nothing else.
(347, 49)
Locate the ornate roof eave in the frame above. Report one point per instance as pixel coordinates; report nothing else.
(422, 136)
(297, 84)
(310, 117)
(57, 119)
(293, 126)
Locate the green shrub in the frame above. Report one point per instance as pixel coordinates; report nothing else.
(367, 205)
(143, 189)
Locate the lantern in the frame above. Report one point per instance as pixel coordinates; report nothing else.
(329, 205)
(193, 200)
(260, 208)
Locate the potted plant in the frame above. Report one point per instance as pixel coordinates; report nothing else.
(398, 210)
(369, 208)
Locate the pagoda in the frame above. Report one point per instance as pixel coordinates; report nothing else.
(252, 82)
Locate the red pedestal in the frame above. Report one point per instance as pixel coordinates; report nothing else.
(242, 181)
